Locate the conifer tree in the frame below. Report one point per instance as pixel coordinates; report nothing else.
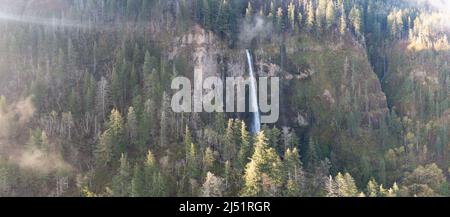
(310, 16)
(208, 160)
(291, 15)
(372, 188)
(121, 181)
(213, 186)
(245, 149)
(343, 21)
(137, 182)
(330, 14)
(132, 126)
(249, 11)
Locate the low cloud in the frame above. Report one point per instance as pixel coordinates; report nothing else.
(257, 28)
(35, 159)
(440, 5)
(14, 121)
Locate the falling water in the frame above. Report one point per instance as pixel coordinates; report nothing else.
(256, 123)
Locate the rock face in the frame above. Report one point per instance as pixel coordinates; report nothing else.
(344, 77)
(341, 70)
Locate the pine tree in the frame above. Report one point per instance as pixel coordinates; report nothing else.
(292, 189)
(300, 19)
(293, 169)
(89, 90)
(187, 141)
(311, 157)
(213, 186)
(249, 12)
(115, 125)
(331, 187)
(343, 21)
(152, 79)
(252, 181)
(272, 12)
(372, 188)
(244, 152)
(346, 185)
(321, 13)
(121, 181)
(45, 144)
(224, 18)
(155, 184)
(192, 162)
(103, 97)
(280, 20)
(112, 140)
(310, 16)
(291, 15)
(138, 182)
(164, 120)
(330, 14)
(103, 151)
(207, 15)
(265, 162)
(229, 149)
(356, 19)
(132, 126)
(208, 160)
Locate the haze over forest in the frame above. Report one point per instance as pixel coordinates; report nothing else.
(85, 98)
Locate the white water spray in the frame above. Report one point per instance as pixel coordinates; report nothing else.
(256, 122)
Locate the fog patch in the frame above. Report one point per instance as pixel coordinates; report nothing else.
(35, 159)
(15, 128)
(256, 28)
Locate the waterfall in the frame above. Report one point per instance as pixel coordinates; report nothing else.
(255, 126)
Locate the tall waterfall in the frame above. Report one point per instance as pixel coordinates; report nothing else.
(256, 122)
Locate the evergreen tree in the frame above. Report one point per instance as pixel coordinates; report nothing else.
(330, 14)
(294, 172)
(155, 183)
(372, 188)
(291, 15)
(264, 163)
(249, 12)
(346, 185)
(245, 149)
(280, 20)
(213, 186)
(121, 181)
(192, 162)
(343, 21)
(252, 180)
(112, 140)
(138, 182)
(356, 19)
(208, 160)
(331, 187)
(310, 16)
(132, 126)
(229, 149)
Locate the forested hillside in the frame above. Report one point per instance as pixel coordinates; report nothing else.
(85, 98)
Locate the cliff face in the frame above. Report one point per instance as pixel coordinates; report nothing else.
(329, 91)
(338, 69)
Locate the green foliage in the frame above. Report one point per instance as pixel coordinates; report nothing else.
(76, 75)
(121, 181)
(111, 142)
